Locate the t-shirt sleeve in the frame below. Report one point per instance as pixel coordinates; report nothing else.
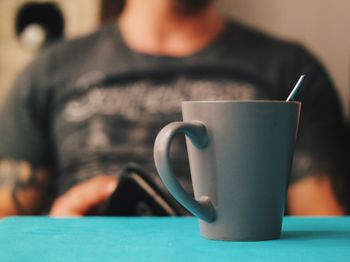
(321, 143)
(24, 131)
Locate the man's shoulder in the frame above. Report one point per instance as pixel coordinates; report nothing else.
(74, 55)
(267, 55)
(251, 38)
(83, 46)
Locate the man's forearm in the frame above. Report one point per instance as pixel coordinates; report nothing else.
(23, 188)
(313, 196)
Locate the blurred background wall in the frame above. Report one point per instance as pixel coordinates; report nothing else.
(323, 26)
(22, 23)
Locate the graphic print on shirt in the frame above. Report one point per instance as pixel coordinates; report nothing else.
(109, 125)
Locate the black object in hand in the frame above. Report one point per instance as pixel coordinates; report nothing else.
(137, 194)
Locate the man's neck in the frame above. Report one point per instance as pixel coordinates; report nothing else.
(155, 27)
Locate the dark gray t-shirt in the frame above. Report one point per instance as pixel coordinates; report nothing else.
(89, 106)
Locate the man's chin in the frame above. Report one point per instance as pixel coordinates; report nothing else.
(191, 7)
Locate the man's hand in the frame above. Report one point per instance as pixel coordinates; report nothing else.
(80, 199)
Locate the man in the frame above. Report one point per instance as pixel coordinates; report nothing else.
(87, 107)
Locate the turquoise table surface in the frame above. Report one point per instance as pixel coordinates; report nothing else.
(165, 239)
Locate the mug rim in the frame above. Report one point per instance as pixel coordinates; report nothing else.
(241, 102)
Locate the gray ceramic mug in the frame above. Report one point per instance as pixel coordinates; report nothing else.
(240, 155)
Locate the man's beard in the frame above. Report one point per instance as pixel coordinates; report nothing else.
(184, 7)
(190, 7)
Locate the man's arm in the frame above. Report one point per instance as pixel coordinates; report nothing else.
(313, 196)
(23, 188)
(26, 155)
(320, 160)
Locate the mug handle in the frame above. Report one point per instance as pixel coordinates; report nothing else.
(197, 133)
